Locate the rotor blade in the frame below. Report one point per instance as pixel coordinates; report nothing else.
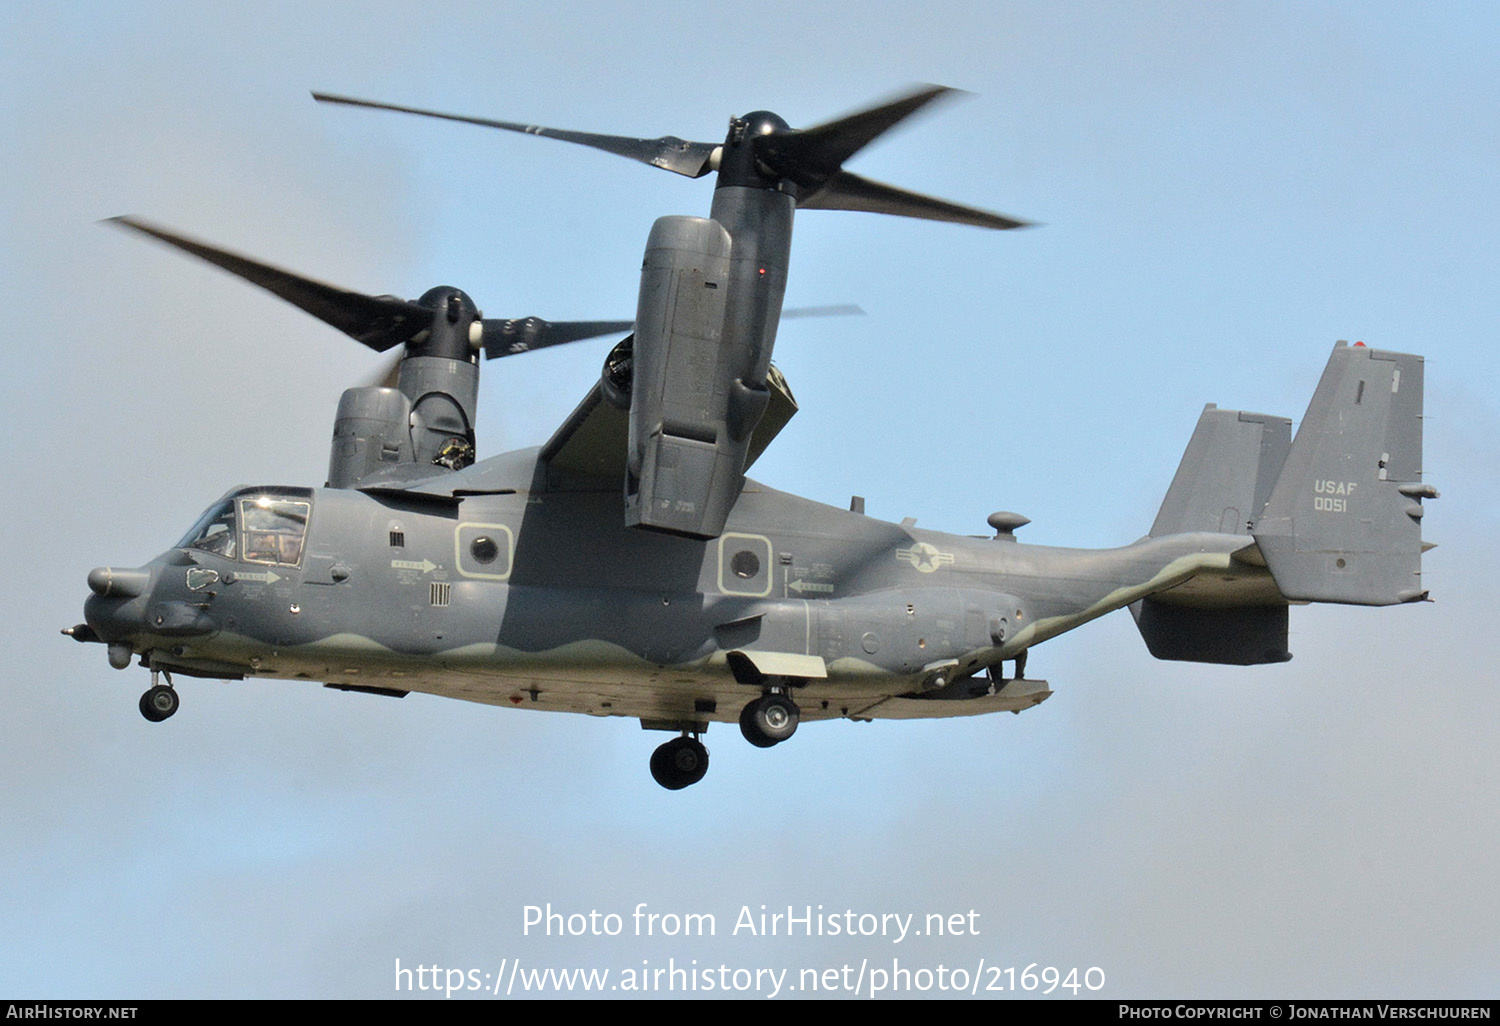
(379, 322)
(668, 152)
(840, 310)
(521, 335)
(812, 155)
(388, 373)
(845, 191)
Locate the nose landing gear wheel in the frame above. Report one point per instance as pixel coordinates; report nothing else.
(158, 703)
(769, 720)
(679, 763)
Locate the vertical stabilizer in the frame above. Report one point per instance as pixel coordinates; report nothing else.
(1225, 478)
(1226, 473)
(1343, 523)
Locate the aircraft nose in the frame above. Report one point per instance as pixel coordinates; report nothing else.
(113, 582)
(142, 603)
(116, 610)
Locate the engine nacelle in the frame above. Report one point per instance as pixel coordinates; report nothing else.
(426, 423)
(691, 414)
(371, 432)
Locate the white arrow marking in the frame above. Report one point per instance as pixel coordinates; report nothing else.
(801, 586)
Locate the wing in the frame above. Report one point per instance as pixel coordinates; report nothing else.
(591, 443)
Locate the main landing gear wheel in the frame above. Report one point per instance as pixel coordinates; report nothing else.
(159, 702)
(679, 763)
(769, 720)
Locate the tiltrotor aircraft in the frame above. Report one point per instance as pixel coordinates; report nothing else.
(628, 567)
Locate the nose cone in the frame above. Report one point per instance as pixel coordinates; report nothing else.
(116, 609)
(113, 582)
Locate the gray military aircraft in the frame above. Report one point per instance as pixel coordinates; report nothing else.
(628, 568)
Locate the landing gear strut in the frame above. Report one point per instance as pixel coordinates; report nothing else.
(769, 720)
(679, 763)
(160, 700)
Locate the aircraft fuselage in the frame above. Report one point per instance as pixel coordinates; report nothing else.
(501, 589)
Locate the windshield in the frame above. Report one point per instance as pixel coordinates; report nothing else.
(214, 531)
(253, 527)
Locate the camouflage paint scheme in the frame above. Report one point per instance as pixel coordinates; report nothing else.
(629, 568)
(577, 612)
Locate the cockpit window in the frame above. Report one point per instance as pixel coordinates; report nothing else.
(254, 526)
(214, 532)
(273, 529)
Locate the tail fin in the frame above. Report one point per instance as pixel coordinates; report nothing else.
(1222, 484)
(1343, 522)
(1226, 473)
(1336, 514)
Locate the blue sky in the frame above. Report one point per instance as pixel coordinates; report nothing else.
(1226, 189)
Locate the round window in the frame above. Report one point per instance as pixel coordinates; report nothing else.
(484, 549)
(745, 564)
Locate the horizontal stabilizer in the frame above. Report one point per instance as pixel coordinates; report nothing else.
(1343, 523)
